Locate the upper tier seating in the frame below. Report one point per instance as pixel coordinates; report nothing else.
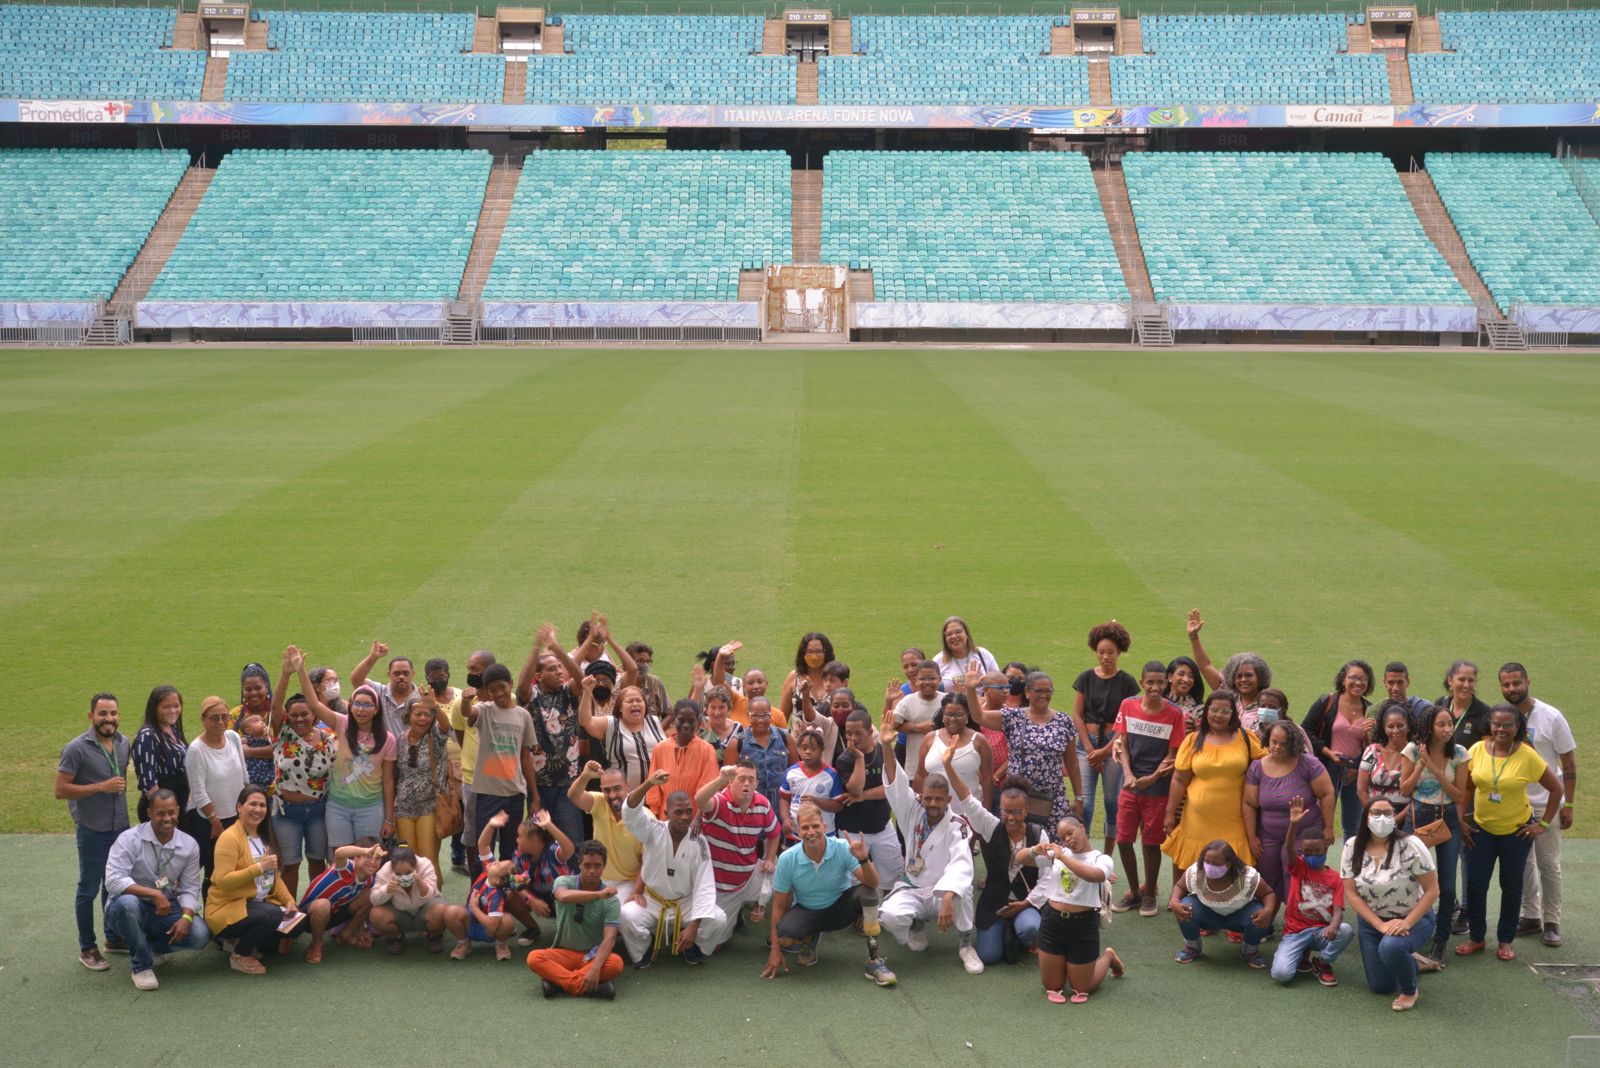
(645, 59)
(57, 52)
(1522, 57)
(641, 226)
(366, 56)
(1247, 59)
(970, 226)
(1283, 228)
(1524, 225)
(72, 221)
(978, 60)
(301, 225)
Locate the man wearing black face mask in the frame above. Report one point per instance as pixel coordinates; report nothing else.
(436, 674)
(466, 736)
(656, 700)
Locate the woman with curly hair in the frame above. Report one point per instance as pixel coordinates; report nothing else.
(1100, 691)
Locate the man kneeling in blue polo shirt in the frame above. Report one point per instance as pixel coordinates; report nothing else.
(823, 884)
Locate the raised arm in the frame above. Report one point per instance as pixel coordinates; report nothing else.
(280, 693)
(707, 794)
(530, 667)
(578, 792)
(359, 675)
(564, 846)
(1208, 671)
(293, 657)
(594, 726)
(719, 666)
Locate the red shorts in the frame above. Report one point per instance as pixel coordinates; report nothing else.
(1141, 810)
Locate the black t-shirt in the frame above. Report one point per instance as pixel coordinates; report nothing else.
(1102, 697)
(862, 817)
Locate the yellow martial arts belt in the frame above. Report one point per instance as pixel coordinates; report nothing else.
(669, 925)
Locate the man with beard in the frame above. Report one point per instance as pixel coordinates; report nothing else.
(153, 878)
(92, 778)
(623, 851)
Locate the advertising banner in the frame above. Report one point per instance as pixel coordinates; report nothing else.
(78, 111)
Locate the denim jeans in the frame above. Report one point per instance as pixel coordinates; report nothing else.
(563, 812)
(1242, 921)
(302, 830)
(135, 921)
(346, 826)
(93, 849)
(1349, 806)
(1109, 778)
(484, 806)
(1286, 961)
(1511, 853)
(992, 939)
(1387, 959)
(1447, 857)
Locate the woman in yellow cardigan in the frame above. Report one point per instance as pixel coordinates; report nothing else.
(247, 901)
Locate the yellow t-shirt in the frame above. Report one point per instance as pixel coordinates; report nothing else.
(623, 851)
(1506, 778)
(469, 740)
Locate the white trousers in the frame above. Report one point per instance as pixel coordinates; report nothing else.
(884, 849)
(624, 889)
(1543, 872)
(732, 903)
(907, 904)
(641, 914)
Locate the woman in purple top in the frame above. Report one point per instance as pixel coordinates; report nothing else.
(1287, 773)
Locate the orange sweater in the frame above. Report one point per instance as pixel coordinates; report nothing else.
(689, 768)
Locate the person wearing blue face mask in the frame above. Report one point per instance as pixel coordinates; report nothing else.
(1313, 932)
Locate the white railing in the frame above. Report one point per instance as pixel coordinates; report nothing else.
(1572, 160)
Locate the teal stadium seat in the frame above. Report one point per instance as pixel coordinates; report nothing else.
(1248, 59)
(971, 226)
(952, 60)
(650, 59)
(309, 225)
(641, 226)
(72, 220)
(1524, 225)
(1283, 228)
(1521, 57)
(405, 57)
(58, 52)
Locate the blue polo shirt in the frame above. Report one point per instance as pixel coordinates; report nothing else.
(815, 886)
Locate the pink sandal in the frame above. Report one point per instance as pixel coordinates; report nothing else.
(1055, 997)
(1079, 997)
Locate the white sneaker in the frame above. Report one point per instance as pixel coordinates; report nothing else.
(917, 939)
(969, 960)
(145, 980)
(158, 959)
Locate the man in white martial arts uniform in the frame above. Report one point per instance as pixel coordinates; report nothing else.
(937, 883)
(676, 910)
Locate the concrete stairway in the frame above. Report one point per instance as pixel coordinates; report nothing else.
(1400, 79)
(216, 79)
(1124, 233)
(486, 36)
(516, 84)
(862, 287)
(839, 38)
(164, 237)
(186, 31)
(805, 84)
(1426, 38)
(497, 197)
(1130, 38)
(774, 38)
(1441, 230)
(1061, 40)
(255, 36)
(1358, 39)
(752, 286)
(805, 216)
(1100, 82)
(553, 40)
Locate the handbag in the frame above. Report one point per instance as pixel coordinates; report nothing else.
(447, 800)
(1435, 833)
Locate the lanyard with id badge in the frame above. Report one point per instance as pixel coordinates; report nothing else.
(162, 856)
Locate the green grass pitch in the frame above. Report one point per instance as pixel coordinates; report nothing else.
(173, 513)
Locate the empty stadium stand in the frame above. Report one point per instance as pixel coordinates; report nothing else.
(72, 221)
(1524, 225)
(701, 59)
(59, 52)
(641, 226)
(1247, 59)
(996, 60)
(356, 225)
(368, 56)
(970, 226)
(1281, 228)
(1511, 57)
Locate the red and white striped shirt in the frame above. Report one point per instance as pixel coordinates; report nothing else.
(735, 838)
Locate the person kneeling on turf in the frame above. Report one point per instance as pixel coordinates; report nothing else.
(153, 880)
(1315, 906)
(588, 915)
(1074, 884)
(676, 907)
(405, 897)
(937, 883)
(815, 889)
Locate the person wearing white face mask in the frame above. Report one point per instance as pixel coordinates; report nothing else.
(405, 897)
(1391, 883)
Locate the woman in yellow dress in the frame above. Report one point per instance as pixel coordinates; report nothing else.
(1208, 784)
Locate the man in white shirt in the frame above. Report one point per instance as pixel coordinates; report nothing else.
(1551, 737)
(937, 882)
(676, 909)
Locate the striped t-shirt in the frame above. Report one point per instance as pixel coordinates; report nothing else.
(735, 838)
(340, 885)
(799, 784)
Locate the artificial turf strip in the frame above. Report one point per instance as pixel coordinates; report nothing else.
(417, 1009)
(173, 513)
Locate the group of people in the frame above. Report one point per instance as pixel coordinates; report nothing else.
(579, 792)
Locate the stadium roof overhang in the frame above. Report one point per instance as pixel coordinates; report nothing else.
(804, 116)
